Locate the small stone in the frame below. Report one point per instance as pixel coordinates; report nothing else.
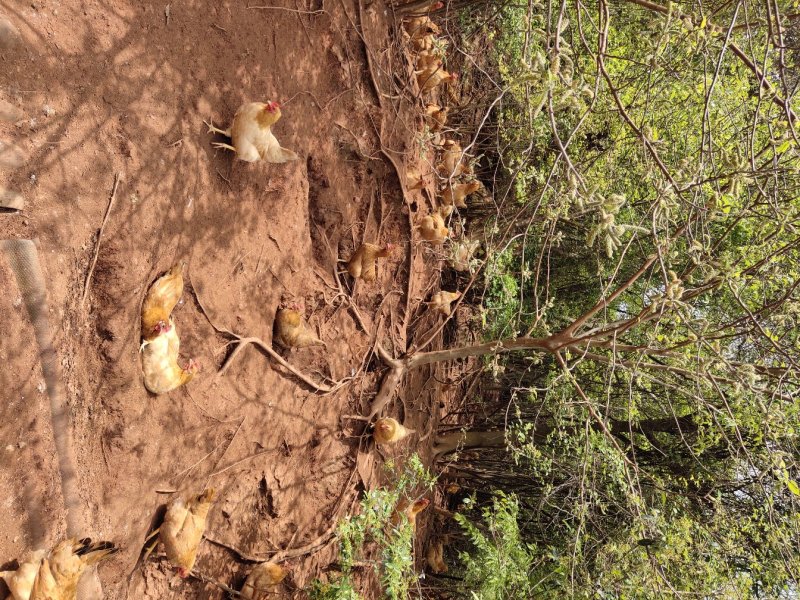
(21, 445)
(33, 177)
(48, 110)
(10, 448)
(41, 387)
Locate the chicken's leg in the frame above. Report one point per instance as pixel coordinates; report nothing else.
(223, 146)
(212, 129)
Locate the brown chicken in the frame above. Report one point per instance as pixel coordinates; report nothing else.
(433, 76)
(441, 301)
(456, 195)
(251, 134)
(436, 117)
(290, 331)
(453, 163)
(20, 581)
(363, 264)
(435, 557)
(182, 529)
(410, 510)
(262, 580)
(432, 229)
(388, 431)
(59, 572)
(159, 302)
(160, 367)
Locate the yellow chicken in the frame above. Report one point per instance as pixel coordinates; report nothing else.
(435, 557)
(160, 367)
(461, 254)
(441, 301)
(363, 264)
(290, 331)
(20, 582)
(457, 194)
(436, 116)
(414, 179)
(432, 229)
(427, 59)
(182, 529)
(262, 580)
(419, 27)
(59, 572)
(388, 431)
(423, 43)
(251, 134)
(452, 163)
(433, 76)
(160, 301)
(410, 510)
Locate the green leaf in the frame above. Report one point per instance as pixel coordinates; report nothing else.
(793, 487)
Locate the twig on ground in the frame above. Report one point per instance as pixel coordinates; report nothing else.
(99, 237)
(242, 342)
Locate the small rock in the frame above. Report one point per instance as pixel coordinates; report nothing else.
(21, 445)
(48, 110)
(10, 448)
(33, 177)
(41, 387)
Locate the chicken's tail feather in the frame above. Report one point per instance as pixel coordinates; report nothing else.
(94, 552)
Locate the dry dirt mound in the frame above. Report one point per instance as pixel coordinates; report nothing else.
(110, 87)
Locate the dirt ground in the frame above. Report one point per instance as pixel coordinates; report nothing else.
(112, 87)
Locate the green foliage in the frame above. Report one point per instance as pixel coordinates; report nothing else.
(372, 527)
(656, 452)
(500, 565)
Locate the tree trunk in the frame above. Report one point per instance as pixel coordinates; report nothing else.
(463, 440)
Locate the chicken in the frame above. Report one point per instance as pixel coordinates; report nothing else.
(433, 76)
(388, 431)
(20, 581)
(182, 529)
(452, 164)
(455, 195)
(421, 44)
(441, 301)
(414, 179)
(159, 302)
(261, 581)
(435, 557)
(363, 264)
(426, 59)
(432, 229)
(160, 367)
(436, 116)
(410, 510)
(59, 572)
(251, 134)
(290, 331)
(419, 27)
(461, 254)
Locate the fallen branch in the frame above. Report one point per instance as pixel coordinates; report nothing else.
(99, 237)
(242, 342)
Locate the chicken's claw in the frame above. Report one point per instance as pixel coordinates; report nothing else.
(222, 146)
(212, 129)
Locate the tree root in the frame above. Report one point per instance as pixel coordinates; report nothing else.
(242, 342)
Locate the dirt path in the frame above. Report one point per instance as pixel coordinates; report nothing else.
(107, 88)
